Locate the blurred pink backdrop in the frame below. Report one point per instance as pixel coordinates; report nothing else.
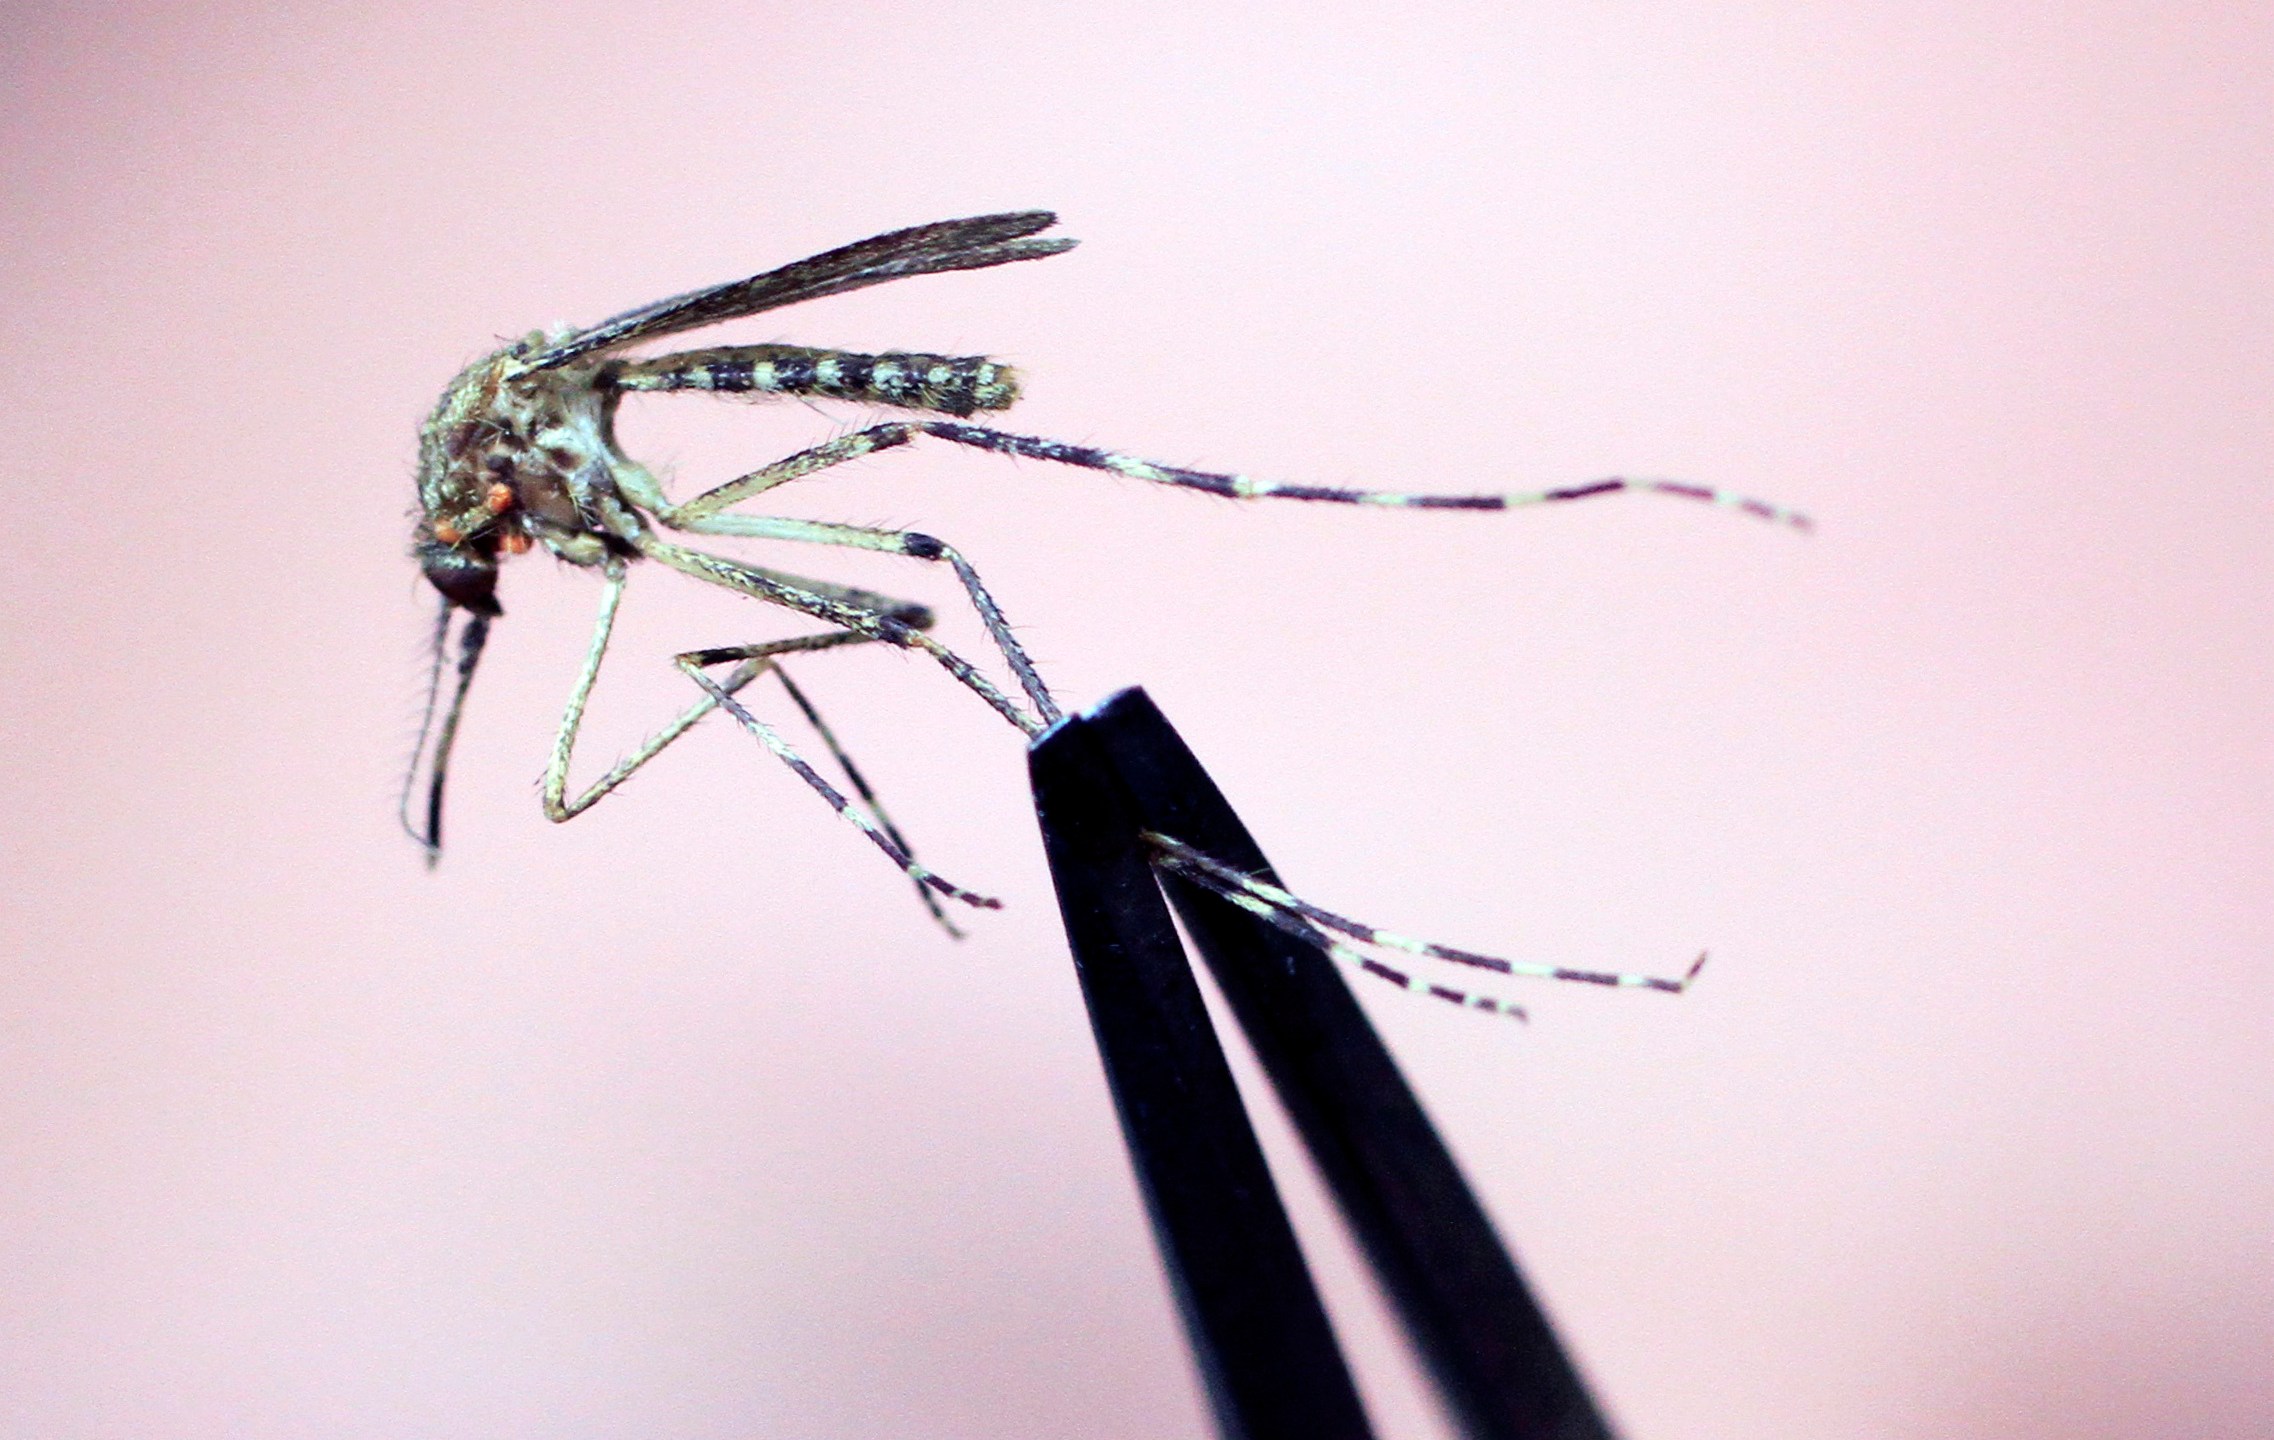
(682, 1120)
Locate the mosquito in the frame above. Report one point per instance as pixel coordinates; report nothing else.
(521, 452)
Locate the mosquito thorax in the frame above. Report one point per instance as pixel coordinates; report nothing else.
(496, 462)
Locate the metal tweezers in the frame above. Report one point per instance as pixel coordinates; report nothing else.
(1268, 1358)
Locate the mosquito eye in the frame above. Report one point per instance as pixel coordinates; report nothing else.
(467, 580)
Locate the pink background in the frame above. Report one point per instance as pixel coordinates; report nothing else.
(682, 1121)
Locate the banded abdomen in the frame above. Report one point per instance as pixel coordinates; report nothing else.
(949, 384)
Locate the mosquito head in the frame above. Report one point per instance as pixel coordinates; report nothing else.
(466, 576)
(473, 451)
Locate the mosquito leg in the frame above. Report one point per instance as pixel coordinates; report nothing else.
(558, 804)
(899, 542)
(861, 788)
(780, 472)
(701, 515)
(1242, 487)
(1239, 487)
(1287, 920)
(783, 590)
(1256, 896)
(694, 662)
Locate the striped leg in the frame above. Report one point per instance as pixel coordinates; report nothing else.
(702, 515)
(858, 781)
(881, 835)
(1242, 487)
(1257, 896)
(816, 600)
(899, 542)
(557, 802)
(1290, 921)
(781, 472)
(755, 661)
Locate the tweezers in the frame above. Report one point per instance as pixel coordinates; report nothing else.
(1265, 1350)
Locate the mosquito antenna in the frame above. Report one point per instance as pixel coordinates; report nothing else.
(435, 648)
(470, 641)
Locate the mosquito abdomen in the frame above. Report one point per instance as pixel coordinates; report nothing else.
(949, 384)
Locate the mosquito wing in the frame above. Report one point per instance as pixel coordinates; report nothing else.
(972, 244)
